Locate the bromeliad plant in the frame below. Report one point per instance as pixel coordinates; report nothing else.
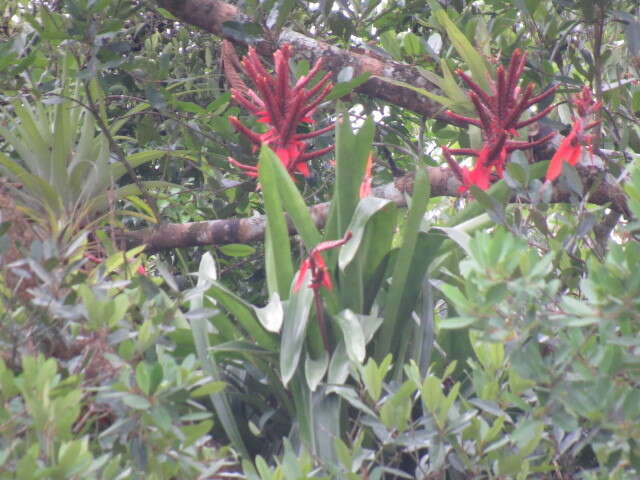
(310, 340)
(283, 107)
(61, 160)
(499, 115)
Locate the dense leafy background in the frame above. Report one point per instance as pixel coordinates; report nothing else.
(470, 338)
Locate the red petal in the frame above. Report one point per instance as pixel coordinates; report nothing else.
(480, 176)
(303, 169)
(569, 151)
(301, 274)
(326, 281)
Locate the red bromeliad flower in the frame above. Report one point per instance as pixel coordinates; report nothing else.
(570, 149)
(314, 262)
(282, 107)
(499, 115)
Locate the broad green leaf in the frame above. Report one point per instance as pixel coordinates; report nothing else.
(237, 250)
(453, 323)
(244, 314)
(454, 295)
(367, 208)
(294, 331)
(271, 315)
(326, 425)
(373, 375)
(352, 334)
(341, 89)
(196, 431)
(314, 369)
(210, 388)
(339, 365)
(136, 402)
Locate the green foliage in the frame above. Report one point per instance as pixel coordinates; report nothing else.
(492, 336)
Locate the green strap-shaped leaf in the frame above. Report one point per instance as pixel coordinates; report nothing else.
(117, 170)
(293, 202)
(462, 45)
(294, 330)
(244, 313)
(367, 208)
(47, 196)
(279, 266)
(352, 152)
(219, 400)
(372, 225)
(392, 322)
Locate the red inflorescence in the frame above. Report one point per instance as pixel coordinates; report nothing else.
(570, 149)
(282, 106)
(499, 115)
(316, 264)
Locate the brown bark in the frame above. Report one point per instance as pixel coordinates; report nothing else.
(248, 230)
(211, 16)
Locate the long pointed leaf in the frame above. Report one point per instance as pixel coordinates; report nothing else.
(117, 170)
(278, 231)
(293, 202)
(352, 152)
(220, 401)
(464, 48)
(392, 321)
(294, 330)
(244, 313)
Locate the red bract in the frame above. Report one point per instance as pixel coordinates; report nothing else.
(316, 264)
(570, 149)
(499, 115)
(283, 107)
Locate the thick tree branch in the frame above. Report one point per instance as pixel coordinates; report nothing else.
(217, 17)
(249, 230)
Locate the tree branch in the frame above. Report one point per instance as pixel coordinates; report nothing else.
(217, 17)
(250, 230)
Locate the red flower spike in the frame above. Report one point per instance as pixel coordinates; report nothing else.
(499, 113)
(283, 108)
(572, 146)
(316, 264)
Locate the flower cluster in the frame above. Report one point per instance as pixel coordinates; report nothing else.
(316, 264)
(570, 150)
(282, 106)
(499, 115)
